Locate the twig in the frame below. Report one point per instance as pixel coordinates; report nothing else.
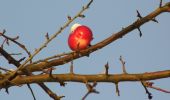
(14, 40)
(4, 69)
(147, 91)
(50, 58)
(31, 91)
(150, 85)
(49, 92)
(90, 89)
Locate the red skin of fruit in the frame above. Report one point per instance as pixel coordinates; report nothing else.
(80, 38)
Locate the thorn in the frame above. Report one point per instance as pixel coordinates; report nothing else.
(123, 65)
(138, 14)
(89, 3)
(63, 84)
(21, 59)
(6, 90)
(140, 32)
(71, 68)
(4, 31)
(7, 42)
(82, 16)
(107, 69)
(154, 20)
(69, 17)
(47, 36)
(15, 38)
(160, 4)
(117, 89)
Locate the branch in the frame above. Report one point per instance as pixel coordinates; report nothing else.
(13, 75)
(12, 60)
(112, 78)
(73, 55)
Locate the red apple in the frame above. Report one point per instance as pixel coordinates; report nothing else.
(80, 37)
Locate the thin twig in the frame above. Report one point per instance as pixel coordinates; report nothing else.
(14, 40)
(31, 91)
(147, 91)
(150, 85)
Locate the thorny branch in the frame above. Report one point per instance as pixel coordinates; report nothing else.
(59, 59)
(112, 78)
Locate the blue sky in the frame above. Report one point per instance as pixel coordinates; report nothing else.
(32, 19)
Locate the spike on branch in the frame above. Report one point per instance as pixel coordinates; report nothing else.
(160, 4)
(71, 68)
(107, 69)
(138, 14)
(117, 89)
(47, 36)
(69, 17)
(140, 32)
(123, 65)
(82, 16)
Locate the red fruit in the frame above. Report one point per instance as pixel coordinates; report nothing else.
(80, 38)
